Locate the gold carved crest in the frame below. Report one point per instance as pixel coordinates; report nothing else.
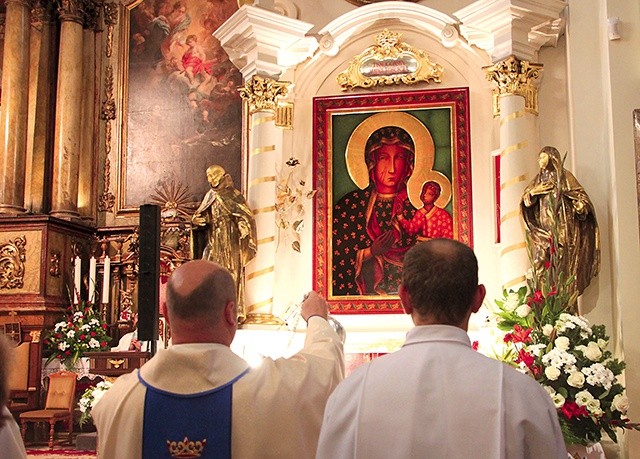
(389, 61)
(12, 258)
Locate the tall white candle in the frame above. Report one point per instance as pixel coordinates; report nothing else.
(92, 279)
(106, 279)
(77, 274)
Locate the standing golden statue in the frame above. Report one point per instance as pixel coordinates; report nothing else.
(560, 218)
(230, 229)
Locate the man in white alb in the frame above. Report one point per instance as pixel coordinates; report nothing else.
(436, 397)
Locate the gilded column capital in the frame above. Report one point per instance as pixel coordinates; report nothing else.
(24, 3)
(42, 13)
(515, 77)
(70, 10)
(262, 93)
(90, 15)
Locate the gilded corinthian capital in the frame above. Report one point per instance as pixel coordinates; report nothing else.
(70, 10)
(515, 77)
(262, 93)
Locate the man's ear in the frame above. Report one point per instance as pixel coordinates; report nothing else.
(478, 298)
(231, 313)
(405, 300)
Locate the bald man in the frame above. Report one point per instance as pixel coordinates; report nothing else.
(199, 396)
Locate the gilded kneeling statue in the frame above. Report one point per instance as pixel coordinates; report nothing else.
(224, 229)
(559, 217)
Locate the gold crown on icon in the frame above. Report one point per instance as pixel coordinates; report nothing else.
(186, 449)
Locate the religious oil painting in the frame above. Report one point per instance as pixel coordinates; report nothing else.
(183, 109)
(391, 170)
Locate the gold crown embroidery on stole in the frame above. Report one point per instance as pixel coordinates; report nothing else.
(186, 449)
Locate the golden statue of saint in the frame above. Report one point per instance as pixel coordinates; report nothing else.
(560, 218)
(230, 229)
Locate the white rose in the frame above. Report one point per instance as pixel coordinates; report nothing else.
(576, 379)
(552, 373)
(602, 343)
(593, 352)
(547, 329)
(512, 302)
(562, 343)
(620, 403)
(523, 310)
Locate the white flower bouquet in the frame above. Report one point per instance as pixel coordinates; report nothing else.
(90, 398)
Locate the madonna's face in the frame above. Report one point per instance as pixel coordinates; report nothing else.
(392, 166)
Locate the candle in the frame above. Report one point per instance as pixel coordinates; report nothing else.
(77, 265)
(92, 279)
(106, 279)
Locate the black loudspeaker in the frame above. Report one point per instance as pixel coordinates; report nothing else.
(149, 274)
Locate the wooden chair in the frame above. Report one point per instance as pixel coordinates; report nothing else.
(59, 406)
(23, 384)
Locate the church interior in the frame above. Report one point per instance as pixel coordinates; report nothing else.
(108, 106)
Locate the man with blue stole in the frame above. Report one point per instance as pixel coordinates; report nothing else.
(199, 399)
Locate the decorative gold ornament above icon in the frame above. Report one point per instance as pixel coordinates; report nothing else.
(389, 61)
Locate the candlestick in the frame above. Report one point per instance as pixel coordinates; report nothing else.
(106, 279)
(77, 273)
(92, 279)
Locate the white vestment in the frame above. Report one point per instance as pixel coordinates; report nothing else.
(276, 408)
(11, 445)
(438, 398)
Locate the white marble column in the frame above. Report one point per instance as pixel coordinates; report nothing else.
(512, 32)
(516, 106)
(263, 44)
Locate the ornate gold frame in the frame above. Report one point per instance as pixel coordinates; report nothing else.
(388, 62)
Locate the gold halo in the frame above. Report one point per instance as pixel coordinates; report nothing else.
(422, 140)
(414, 188)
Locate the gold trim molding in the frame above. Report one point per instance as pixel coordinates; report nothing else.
(515, 77)
(262, 93)
(107, 200)
(12, 258)
(388, 62)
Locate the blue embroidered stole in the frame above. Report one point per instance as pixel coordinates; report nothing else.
(187, 426)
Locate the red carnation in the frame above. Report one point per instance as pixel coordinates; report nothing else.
(508, 338)
(82, 337)
(104, 326)
(103, 343)
(474, 345)
(93, 334)
(67, 352)
(572, 410)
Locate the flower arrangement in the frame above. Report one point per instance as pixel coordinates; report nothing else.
(569, 358)
(565, 354)
(89, 398)
(80, 331)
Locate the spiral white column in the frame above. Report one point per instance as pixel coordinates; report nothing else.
(265, 147)
(516, 105)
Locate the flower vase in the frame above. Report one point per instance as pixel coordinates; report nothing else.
(591, 451)
(80, 366)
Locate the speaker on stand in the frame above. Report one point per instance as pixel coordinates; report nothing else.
(149, 275)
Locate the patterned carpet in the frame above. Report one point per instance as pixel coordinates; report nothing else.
(60, 454)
